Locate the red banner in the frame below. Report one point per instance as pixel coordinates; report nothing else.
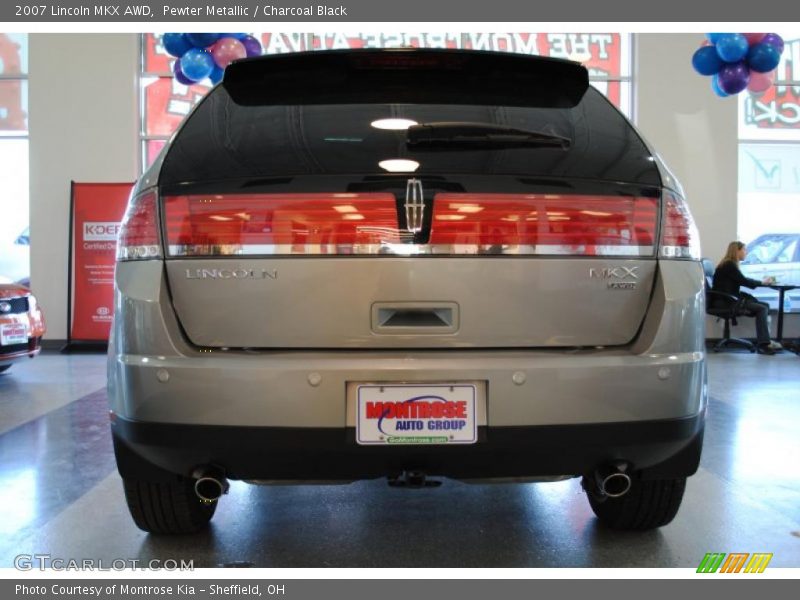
(13, 115)
(97, 209)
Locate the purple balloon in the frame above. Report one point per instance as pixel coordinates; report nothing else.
(774, 40)
(733, 78)
(178, 74)
(251, 45)
(715, 86)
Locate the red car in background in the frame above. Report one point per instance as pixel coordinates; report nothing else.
(21, 324)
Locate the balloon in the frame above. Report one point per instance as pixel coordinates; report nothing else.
(706, 61)
(732, 47)
(216, 75)
(227, 50)
(733, 78)
(753, 38)
(717, 89)
(202, 40)
(175, 44)
(773, 39)
(713, 37)
(251, 45)
(178, 74)
(197, 64)
(238, 36)
(760, 82)
(763, 57)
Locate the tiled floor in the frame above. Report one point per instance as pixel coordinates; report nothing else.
(60, 493)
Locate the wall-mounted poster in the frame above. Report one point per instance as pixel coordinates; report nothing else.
(96, 210)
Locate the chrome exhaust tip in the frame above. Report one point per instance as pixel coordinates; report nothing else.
(612, 480)
(209, 486)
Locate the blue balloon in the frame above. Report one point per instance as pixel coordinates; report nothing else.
(238, 36)
(178, 74)
(713, 37)
(175, 44)
(732, 47)
(762, 58)
(718, 90)
(202, 40)
(197, 64)
(706, 61)
(216, 75)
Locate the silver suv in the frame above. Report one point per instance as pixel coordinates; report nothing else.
(404, 264)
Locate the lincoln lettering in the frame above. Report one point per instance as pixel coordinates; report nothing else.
(231, 274)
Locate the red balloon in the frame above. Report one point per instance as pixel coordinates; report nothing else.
(227, 50)
(754, 38)
(760, 82)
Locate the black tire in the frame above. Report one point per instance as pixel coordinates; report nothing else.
(4, 368)
(167, 507)
(647, 505)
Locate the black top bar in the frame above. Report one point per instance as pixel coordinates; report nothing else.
(406, 75)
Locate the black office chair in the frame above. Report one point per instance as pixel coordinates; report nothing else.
(724, 306)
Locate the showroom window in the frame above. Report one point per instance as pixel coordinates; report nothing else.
(769, 171)
(14, 239)
(164, 101)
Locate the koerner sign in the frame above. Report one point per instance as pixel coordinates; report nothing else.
(100, 232)
(96, 212)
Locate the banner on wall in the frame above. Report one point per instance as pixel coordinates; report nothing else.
(775, 113)
(96, 210)
(167, 101)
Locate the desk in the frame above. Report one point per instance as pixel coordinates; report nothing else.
(782, 289)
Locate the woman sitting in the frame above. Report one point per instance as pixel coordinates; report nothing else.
(728, 279)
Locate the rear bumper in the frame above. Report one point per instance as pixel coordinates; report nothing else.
(656, 449)
(313, 389)
(9, 355)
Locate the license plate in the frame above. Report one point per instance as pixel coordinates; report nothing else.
(416, 414)
(14, 333)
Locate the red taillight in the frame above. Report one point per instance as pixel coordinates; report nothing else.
(138, 234)
(367, 223)
(545, 224)
(679, 237)
(280, 223)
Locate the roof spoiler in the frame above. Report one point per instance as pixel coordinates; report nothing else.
(406, 75)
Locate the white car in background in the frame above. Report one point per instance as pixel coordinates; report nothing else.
(776, 255)
(15, 265)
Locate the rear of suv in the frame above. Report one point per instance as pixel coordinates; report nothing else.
(406, 263)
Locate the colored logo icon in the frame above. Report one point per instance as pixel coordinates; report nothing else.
(714, 562)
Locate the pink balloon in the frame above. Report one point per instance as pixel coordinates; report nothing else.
(760, 82)
(227, 50)
(705, 43)
(754, 38)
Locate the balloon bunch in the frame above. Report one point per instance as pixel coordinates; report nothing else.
(739, 60)
(201, 55)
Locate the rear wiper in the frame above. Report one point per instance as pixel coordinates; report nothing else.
(454, 135)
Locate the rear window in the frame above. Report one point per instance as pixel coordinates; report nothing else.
(240, 144)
